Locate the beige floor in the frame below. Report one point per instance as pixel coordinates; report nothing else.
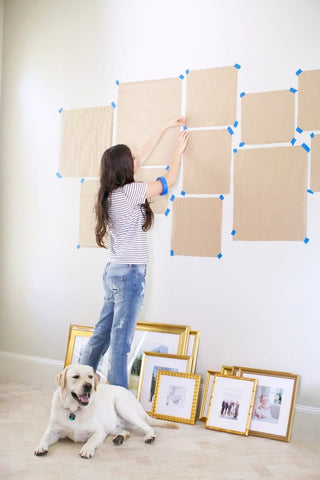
(190, 453)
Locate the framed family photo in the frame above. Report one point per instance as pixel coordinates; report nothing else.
(176, 396)
(153, 362)
(274, 403)
(231, 404)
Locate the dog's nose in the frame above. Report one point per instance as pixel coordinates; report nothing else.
(87, 387)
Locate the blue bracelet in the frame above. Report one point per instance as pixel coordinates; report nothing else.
(164, 185)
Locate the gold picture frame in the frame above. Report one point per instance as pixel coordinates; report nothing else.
(207, 391)
(151, 363)
(176, 396)
(193, 347)
(274, 403)
(161, 337)
(226, 370)
(231, 404)
(154, 337)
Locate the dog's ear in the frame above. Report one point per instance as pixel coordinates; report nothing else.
(61, 378)
(96, 380)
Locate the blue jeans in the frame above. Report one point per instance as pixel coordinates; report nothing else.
(124, 293)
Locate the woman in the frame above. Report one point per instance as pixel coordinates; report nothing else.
(122, 211)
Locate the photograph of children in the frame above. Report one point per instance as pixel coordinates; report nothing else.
(176, 396)
(268, 404)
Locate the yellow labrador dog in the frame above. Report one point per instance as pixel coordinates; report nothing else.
(86, 411)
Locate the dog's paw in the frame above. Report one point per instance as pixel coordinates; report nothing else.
(86, 452)
(149, 438)
(118, 440)
(40, 451)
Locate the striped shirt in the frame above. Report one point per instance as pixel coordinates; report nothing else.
(128, 242)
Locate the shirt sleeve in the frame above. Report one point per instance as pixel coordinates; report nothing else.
(136, 192)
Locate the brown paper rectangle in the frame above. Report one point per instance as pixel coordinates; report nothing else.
(143, 107)
(86, 134)
(315, 164)
(267, 117)
(148, 175)
(211, 97)
(309, 100)
(88, 193)
(196, 228)
(207, 162)
(270, 194)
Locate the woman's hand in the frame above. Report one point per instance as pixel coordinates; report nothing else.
(176, 121)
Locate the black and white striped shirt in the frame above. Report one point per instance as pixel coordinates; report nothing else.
(128, 242)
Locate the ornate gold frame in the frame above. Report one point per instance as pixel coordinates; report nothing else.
(290, 408)
(207, 391)
(248, 405)
(193, 381)
(195, 347)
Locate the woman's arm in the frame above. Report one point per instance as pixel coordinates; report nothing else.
(145, 151)
(155, 188)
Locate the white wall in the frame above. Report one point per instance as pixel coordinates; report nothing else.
(258, 306)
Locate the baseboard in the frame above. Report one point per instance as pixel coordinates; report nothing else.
(37, 371)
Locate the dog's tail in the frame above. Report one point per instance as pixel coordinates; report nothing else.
(155, 422)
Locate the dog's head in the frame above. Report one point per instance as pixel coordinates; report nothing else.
(78, 384)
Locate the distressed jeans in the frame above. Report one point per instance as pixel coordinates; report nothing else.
(124, 293)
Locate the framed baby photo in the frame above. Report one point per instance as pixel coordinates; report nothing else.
(152, 362)
(176, 396)
(274, 403)
(231, 404)
(193, 347)
(78, 338)
(154, 337)
(207, 391)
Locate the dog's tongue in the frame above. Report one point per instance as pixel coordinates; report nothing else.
(84, 398)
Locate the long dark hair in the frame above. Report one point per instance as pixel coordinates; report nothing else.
(116, 170)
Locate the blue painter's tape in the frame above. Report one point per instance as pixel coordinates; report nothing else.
(167, 167)
(185, 127)
(306, 240)
(237, 66)
(312, 135)
(299, 130)
(221, 197)
(181, 76)
(183, 193)
(82, 180)
(219, 255)
(113, 104)
(230, 130)
(241, 144)
(60, 110)
(172, 198)
(298, 72)
(293, 141)
(117, 82)
(236, 123)
(242, 94)
(187, 71)
(307, 149)
(167, 212)
(171, 253)
(310, 191)
(235, 150)
(293, 90)
(78, 247)
(233, 233)
(59, 175)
